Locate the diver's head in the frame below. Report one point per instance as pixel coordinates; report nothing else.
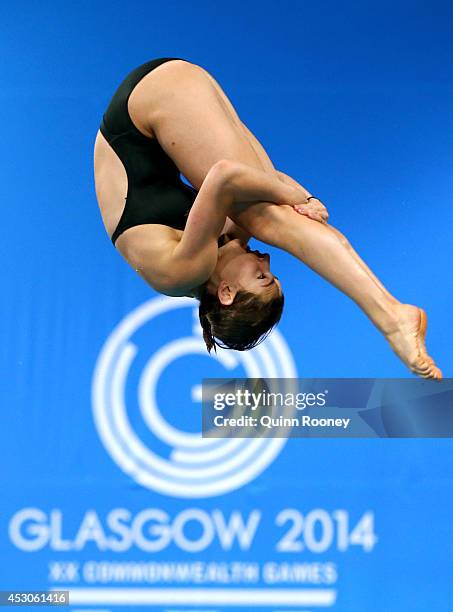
(242, 300)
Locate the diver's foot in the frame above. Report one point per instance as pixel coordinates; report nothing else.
(408, 341)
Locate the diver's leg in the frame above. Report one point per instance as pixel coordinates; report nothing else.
(192, 119)
(327, 252)
(364, 267)
(267, 165)
(181, 105)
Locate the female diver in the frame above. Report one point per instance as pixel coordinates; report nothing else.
(170, 116)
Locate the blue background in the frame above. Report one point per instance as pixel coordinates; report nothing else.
(354, 100)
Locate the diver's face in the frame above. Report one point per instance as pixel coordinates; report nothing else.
(243, 269)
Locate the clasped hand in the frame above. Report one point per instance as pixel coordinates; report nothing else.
(314, 209)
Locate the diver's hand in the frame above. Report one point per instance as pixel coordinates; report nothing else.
(314, 209)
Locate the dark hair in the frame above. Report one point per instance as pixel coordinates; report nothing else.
(243, 324)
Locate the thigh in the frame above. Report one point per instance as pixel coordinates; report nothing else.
(193, 120)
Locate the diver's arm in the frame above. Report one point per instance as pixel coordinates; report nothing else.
(194, 257)
(255, 190)
(285, 178)
(227, 185)
(248, 184)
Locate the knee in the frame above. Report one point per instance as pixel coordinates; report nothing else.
(268, 222)
(341, 238)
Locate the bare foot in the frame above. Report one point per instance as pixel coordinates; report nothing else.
(408, 341)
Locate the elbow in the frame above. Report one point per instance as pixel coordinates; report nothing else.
(225, 173)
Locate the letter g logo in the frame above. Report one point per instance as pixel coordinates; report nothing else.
(171, 461)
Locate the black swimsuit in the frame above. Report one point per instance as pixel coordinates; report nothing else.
(156, 193)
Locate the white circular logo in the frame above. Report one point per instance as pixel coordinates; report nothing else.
(192, 466)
